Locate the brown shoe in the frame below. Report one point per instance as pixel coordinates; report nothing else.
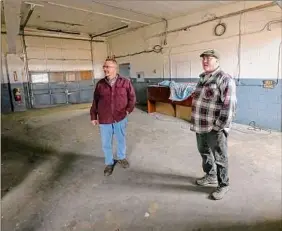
(124, 163)
(108, 170)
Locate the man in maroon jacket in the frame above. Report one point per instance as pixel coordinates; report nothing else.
(114, 99)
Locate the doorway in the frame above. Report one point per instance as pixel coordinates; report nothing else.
(124, 70)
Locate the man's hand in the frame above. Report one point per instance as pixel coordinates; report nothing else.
(94, 122)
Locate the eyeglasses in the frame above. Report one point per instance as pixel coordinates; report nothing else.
(108, 66)
(208, 58)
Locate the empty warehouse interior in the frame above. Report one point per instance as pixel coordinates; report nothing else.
(52, 57)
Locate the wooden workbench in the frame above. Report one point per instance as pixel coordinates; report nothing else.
(158, 101)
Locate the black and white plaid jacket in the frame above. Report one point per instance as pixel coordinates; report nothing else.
(214, 102)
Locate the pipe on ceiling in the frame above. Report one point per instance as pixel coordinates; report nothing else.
(31, 9)
(217, 18)
(60, 37)
(58, 31)
(165, 31)
(95, 12)
(108, 32)
(34, 4)
(57, 37)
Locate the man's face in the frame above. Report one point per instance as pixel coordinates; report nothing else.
(110, 69)
(209, 63)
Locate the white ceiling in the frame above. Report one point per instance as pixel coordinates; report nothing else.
(164, 9)
(99, 16)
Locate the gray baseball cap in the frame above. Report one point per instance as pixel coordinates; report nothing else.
(212, 53)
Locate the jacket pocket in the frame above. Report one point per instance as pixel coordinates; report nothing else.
(121, 91)
(120, 99)
(210, 92)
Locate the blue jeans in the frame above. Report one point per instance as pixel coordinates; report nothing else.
(107, 132)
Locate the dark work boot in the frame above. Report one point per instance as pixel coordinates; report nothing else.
(124, 163)
(108, 170)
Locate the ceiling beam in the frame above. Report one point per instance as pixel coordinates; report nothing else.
(108, 32)
(30, 11)
(12, 10)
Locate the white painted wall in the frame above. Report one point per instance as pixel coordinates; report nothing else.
(52, 54)
(16, 69)
(4, 44)
(259, 46)
(100, 53)
(15, 62)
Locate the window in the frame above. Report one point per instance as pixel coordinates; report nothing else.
(70, 76)
(85, 75)
(57, 77)
(39, 78)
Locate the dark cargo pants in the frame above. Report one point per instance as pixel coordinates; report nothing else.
(213, 149)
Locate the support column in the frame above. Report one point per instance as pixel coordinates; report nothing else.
(92, 60)
(12, 9)
(16, 73)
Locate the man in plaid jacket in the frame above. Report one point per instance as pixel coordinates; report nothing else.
(213, 109)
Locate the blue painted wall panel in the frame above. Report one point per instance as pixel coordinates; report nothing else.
(86, 96)
(42, 99)
(259, 104)
(5, 99)
(255, 103)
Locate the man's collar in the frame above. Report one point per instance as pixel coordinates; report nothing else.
(211, 73)
(112, 78)
(215, 71)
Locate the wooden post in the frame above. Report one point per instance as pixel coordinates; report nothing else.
(151, 106)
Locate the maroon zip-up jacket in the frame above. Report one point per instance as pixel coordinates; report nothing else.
(111, 103)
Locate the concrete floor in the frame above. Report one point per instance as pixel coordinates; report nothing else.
(52, 177)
